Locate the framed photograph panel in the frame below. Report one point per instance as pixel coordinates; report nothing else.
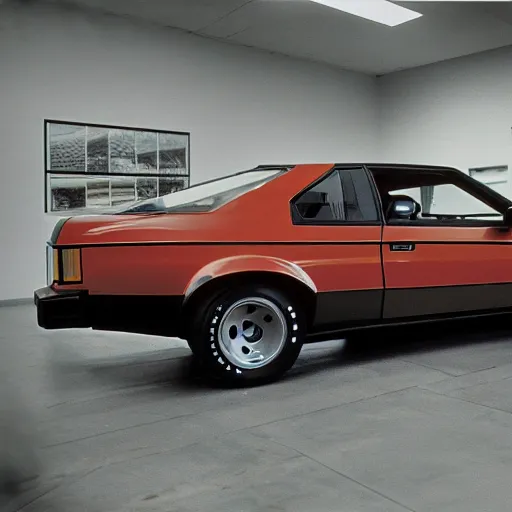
(90, 166)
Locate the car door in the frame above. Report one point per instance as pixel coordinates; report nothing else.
(456, 257)
(338, 219)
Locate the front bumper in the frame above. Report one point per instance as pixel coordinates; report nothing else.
(61, 310)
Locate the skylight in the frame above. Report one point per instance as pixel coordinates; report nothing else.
(380, 11)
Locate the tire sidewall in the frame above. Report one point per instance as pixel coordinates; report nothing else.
(213, 354)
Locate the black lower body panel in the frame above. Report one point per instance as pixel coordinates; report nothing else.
(350, 307)
(153, 315)
(336, 312)
(442, 300)
(339, 313)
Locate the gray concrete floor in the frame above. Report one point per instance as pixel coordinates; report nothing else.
(415, 422)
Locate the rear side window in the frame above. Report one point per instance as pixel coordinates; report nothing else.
(342, 197)
(206, 196)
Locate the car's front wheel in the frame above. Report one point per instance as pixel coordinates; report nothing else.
(249, 335)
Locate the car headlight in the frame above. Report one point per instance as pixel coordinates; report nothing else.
(64, 266)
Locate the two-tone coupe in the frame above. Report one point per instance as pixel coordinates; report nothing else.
(249, 267)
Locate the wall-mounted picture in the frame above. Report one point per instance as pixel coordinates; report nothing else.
(90, 167)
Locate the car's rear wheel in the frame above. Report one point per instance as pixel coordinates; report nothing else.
(249, 335)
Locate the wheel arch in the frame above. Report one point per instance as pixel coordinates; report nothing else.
(240, 271)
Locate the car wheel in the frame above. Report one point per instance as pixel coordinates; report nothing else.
(249, 336)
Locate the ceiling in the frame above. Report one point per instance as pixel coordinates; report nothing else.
(308, 30)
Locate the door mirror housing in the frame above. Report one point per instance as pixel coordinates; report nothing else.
(403, 209)
(507, 217)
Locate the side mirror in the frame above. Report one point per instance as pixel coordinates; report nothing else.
(507, 217)
(403, 209)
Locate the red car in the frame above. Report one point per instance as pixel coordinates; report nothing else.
(249, 267)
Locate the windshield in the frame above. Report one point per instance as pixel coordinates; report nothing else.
(206, 196)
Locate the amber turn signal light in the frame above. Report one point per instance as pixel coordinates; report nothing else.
(64, 266)
(71, 266)
(56, 273)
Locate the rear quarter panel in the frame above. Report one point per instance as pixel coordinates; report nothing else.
(167, 269)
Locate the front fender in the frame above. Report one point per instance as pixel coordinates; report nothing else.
(240, 264)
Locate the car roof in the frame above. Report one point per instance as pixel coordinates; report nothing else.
(418, 167)
(380, 165)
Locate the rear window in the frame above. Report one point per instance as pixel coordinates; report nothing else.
(207, 196)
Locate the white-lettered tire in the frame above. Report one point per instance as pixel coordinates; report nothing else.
(250, 335)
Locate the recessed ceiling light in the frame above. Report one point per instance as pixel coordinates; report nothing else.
(380, 11)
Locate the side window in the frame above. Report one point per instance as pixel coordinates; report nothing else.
(344, 196)
(442, 197)
(447, 201)
(451, 200)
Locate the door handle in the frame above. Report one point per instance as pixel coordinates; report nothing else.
(402, 247)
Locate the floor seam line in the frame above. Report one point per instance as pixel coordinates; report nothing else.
(330, 407)
(223, 17)
(68, 481)
(448, 374)
(469, 402)
(343, 475)
(468, 386)
(117, 430)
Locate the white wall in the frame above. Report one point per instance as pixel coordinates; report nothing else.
(242, 108)
(456, 113)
